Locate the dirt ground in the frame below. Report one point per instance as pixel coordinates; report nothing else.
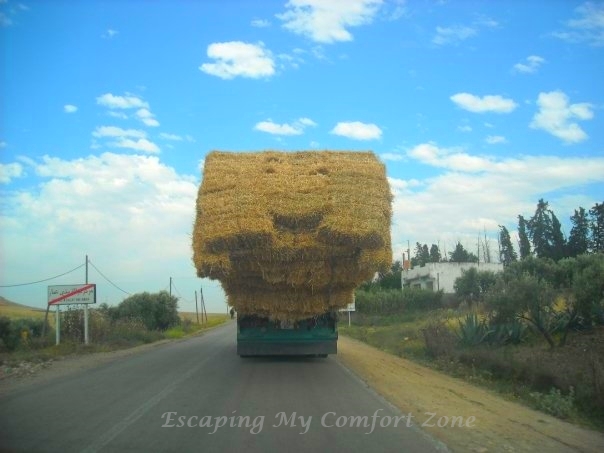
(499, 425)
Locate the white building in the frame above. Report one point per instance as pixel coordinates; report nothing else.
(441, 276)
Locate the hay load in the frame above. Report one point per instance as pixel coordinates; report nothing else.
(290, 234)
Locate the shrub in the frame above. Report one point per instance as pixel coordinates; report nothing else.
(554, 403)
(156, 311)
(513, 332)
(473, 330)
(439, 340)
(397, 301)
(15, 332)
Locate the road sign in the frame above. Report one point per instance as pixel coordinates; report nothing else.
(72, 294)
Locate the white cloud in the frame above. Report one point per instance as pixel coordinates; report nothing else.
(328, 21)
(260, 23)
(239, 59)
(113, 131)
(121, 102)
(147, 117)
(588, 27)
(486, 21)
(8, 172)
(173, 137)
(123, 211)
(556, 116)
(357, 130)
(296, 128)
(110, 33)
(453, 35)
(394, 157)
(120, 115)
(464, 128)
(141, 144)
(2, 144)
(531, 66)
(69, 108)
(450, 158)
(489, 103)
(495, 139)
(477, 192)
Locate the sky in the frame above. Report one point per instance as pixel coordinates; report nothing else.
(477, 109)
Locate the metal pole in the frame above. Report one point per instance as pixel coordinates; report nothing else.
(58, 327)
(85, 323)
(86, 309)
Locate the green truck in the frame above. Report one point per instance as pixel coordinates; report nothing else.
(259, 336)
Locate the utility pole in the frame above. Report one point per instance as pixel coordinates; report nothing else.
(170, 287)
(203, 305)
(196, 310)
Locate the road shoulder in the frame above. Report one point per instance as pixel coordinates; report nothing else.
(499, 425)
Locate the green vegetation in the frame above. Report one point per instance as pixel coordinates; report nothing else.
(534, 332)
(141, 318)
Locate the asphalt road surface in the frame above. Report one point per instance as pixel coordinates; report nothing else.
(198, 395)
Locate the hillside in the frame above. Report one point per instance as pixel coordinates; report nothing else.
(15, 310)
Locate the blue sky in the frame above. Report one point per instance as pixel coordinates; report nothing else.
(477, 109)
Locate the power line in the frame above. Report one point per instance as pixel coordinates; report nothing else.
(103, 275)
(178, 292)
(45, 280)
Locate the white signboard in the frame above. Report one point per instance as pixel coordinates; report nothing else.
(72, 294)
(350, 307)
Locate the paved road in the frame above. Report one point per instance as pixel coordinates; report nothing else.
(145, 402)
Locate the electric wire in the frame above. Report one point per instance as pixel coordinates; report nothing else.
(178, 292)
(45, 280)
(103, 275)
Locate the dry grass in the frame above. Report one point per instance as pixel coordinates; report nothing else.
(290, 235)
(13, 310)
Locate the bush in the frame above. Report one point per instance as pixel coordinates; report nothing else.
(554, 403)
(156, 311)
(473, 330)
(513, 332)
(15, 332)
(397, 301)
(439, 340)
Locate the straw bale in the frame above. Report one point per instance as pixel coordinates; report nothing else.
(292, 234)
(286, 305)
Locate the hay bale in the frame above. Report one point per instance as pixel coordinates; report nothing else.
(282, 231)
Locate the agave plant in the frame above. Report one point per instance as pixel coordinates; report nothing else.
(472, 330)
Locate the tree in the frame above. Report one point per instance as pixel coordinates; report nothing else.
(540, 230)
(422, 255)
(523, 239)
(545, 232)
(558, 243)
(392, 280)
(596, 214)
(461, 255)
(156, 311)
(507, 254)
(578, 240)
(435, 256)
(473, 285)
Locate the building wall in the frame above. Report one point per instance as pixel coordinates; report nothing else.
(442, 276)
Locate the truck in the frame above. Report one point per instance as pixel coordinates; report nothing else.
(290, 235)
(316, 336)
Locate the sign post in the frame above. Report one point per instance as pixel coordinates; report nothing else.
(72, 295)
(350, 307)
